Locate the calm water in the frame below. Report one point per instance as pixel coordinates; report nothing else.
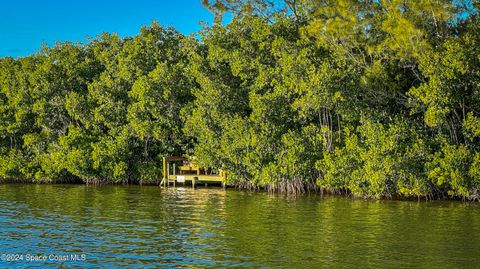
(126, 226)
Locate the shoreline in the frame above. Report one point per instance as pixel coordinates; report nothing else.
(318, 192)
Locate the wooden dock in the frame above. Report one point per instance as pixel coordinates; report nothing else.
(180, 170)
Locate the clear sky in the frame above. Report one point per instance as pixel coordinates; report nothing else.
(26, 24)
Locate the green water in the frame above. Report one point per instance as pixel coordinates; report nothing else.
(135, 226)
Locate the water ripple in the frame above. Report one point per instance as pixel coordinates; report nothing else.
(126, 226)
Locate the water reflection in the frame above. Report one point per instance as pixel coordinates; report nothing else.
(153, 227)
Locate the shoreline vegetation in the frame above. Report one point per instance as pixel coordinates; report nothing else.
(375, 99)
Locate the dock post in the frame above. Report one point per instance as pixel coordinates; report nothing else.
(164, 172)
(168, 174)
(223, 174)
(175, 180)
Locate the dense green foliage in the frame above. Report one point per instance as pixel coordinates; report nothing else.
(103, 111)
(373, 98)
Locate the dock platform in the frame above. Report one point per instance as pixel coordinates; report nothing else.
(180, 170)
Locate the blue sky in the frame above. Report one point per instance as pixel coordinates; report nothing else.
(26, 24)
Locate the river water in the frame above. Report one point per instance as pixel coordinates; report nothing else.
(146, 226)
